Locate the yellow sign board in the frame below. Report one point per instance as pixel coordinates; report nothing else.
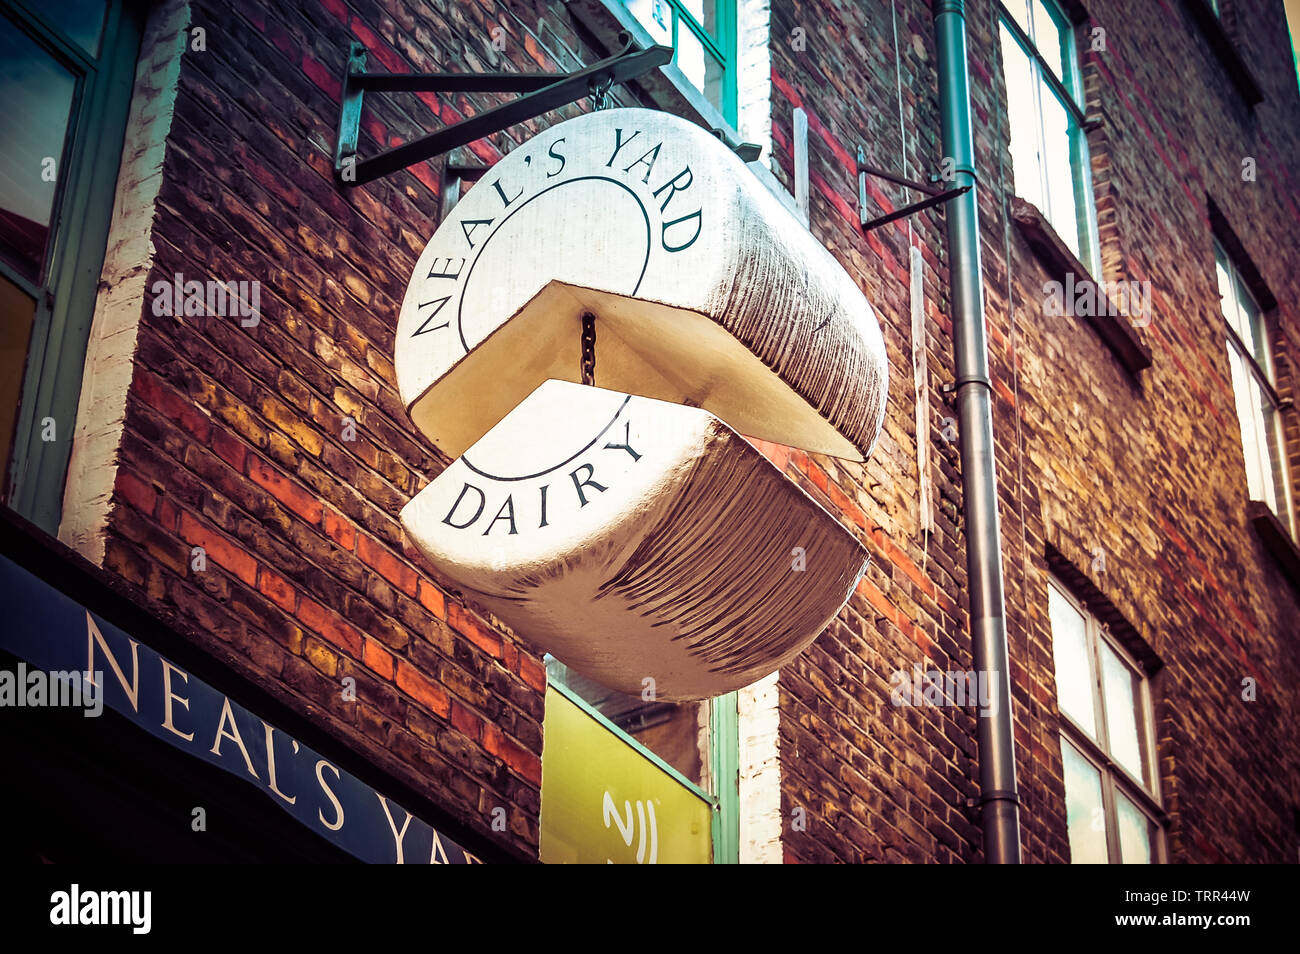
(605, 802)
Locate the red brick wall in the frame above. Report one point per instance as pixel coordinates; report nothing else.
(876, 782)
(234, 437)
(1150, 472)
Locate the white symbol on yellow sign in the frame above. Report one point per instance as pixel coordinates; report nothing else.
(627, 829)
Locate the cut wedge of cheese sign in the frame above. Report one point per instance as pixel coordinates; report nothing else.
(637, 540)
(687, 559)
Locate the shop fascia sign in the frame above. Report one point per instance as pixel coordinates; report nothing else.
(55, 637)
(587, 335)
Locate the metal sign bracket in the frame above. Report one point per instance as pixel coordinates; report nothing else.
(934, 196)
(541, 93)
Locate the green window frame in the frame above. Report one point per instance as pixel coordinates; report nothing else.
(724, 755)
(66, 288)
(673, 21)
(1038, 44)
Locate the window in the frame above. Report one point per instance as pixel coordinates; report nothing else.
(1217, 24)
(695, 744)
(1049, 153)
(1251, 362)
(66, 85)
(703, 34)
(1107, 741)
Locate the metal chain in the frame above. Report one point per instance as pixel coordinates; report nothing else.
(589, 349)
(600, 92)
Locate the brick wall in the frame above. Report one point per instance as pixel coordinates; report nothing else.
(110, 353)
(865, 781)
(1149, 471)
(283, 451)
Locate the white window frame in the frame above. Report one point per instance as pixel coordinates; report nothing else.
(1264, 376)
(1114, 776)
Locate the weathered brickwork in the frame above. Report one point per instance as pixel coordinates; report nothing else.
(110, 352)
(1147, 472)
(283, 451)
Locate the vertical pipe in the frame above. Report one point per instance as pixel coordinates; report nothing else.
(801, 161)
(999, 801)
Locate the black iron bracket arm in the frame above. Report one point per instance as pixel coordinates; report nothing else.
(934, 196)
(542, 92)
(472, 172)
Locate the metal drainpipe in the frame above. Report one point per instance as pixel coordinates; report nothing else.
(999, 801)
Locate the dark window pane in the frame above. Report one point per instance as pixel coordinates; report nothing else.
(37, 95)
(17, 315)
(81, 20)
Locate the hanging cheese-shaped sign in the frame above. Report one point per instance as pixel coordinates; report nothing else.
(637, 539)
(625, 527)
